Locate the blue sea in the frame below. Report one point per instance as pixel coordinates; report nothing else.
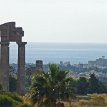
(56, 52)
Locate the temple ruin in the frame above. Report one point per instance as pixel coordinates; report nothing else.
(10, 33)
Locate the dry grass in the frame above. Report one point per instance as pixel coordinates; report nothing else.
(97, 100)
(91, 100)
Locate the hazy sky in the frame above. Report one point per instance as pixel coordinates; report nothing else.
(58, 20)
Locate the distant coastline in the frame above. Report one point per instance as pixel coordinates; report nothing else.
(56, 52)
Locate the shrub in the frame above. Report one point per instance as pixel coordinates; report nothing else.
(11, 100)
(14, 96)
(7, 101)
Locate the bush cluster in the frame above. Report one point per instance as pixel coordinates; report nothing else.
(11, 100)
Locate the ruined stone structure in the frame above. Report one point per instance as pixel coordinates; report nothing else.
(10, 33)
(39, 65)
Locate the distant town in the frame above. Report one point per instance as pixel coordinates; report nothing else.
(97, 66)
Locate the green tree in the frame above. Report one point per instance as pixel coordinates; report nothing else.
(12, 83)
(1, 87)
(82, 85)
(28, 77)
(52, 86)
(12, 79)
(95, 86)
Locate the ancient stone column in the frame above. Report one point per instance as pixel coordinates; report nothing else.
(21, 68)
(4, 65)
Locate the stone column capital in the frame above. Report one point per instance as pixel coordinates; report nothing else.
(5, 43)
(22, 44)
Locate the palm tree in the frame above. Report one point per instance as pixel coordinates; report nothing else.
(49, 87)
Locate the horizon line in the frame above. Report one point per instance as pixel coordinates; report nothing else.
(71, 42)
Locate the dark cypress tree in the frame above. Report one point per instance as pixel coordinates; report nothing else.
(82, 86)
(95, 86)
